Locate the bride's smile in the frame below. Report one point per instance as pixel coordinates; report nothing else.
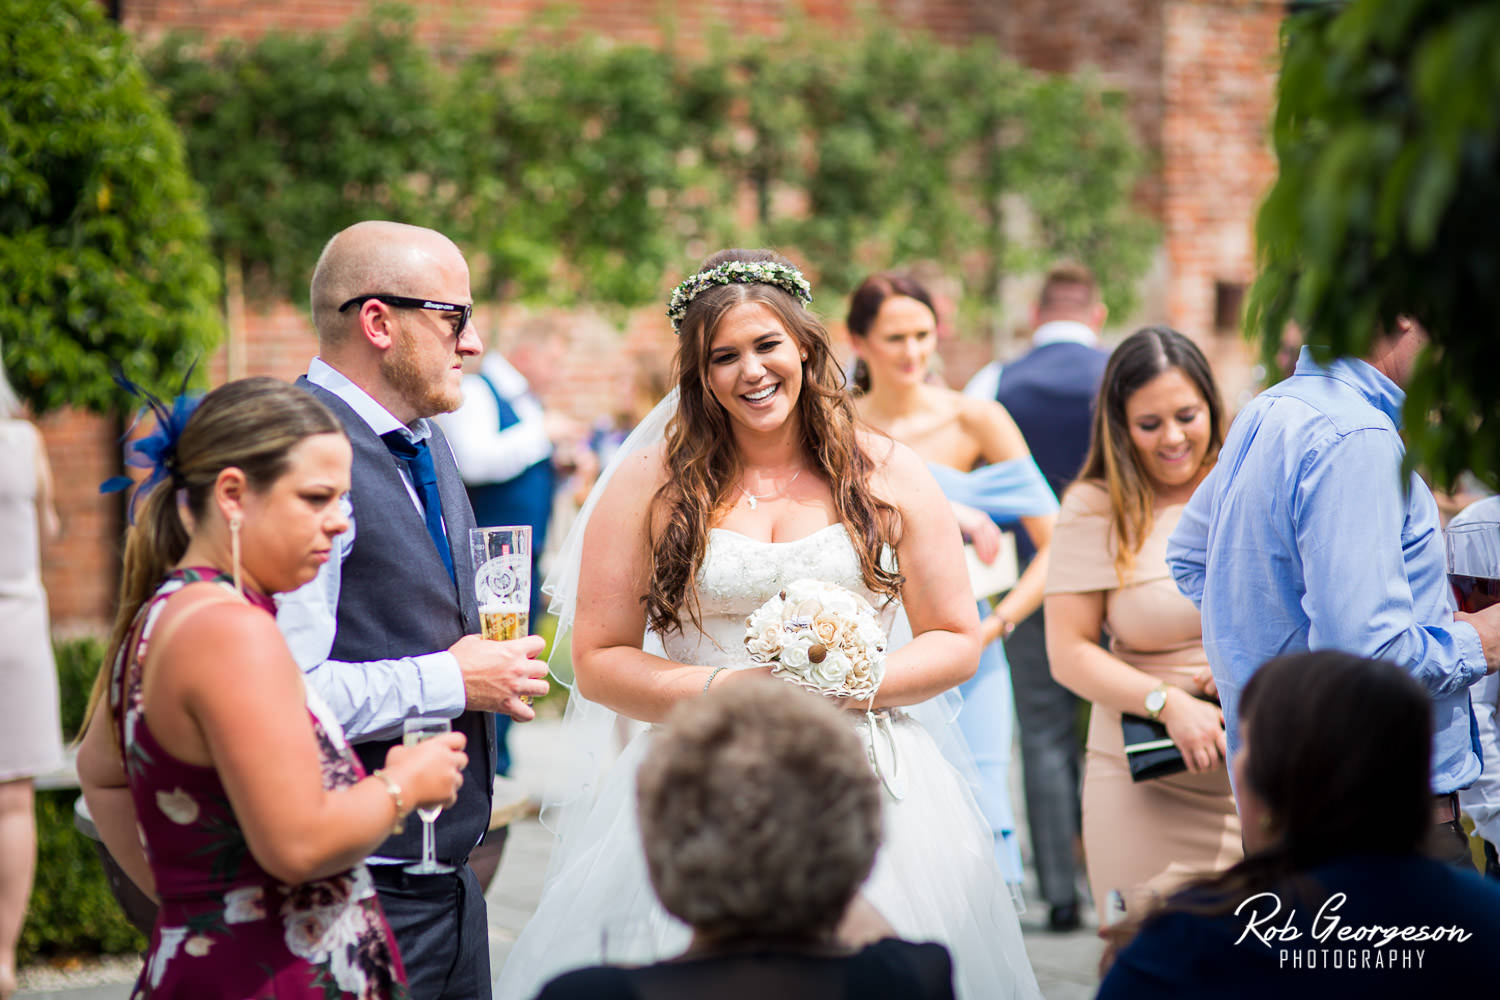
(755, 367)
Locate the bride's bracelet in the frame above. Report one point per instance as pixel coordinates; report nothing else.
(711, 675)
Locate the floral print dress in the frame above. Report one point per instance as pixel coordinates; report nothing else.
(225, 927)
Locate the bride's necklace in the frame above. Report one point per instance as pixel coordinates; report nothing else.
(755, 499)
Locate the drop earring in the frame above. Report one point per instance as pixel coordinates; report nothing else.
(235, 522)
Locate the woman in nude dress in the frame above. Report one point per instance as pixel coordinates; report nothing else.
(1157, 430)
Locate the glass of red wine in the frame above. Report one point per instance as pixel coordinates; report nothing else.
(1474, 564)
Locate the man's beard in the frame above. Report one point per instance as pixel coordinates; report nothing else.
(428, 397)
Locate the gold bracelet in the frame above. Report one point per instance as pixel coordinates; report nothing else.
(390, 786)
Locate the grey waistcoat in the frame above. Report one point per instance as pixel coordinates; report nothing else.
(395, 599)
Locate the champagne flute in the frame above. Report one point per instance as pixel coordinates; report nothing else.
(414, 731)
(1474, 564)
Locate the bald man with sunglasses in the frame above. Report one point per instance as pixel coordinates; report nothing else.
(388, 630)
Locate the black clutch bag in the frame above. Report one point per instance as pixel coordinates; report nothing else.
(1149, 751)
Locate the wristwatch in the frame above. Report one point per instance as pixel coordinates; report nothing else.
(1156, 700)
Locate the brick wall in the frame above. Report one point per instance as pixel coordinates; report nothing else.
(80, 568)
(1219, 89)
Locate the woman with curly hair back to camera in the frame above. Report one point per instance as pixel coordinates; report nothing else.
(760, 819)
(751, 475)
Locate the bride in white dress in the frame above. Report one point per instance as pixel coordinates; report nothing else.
(759, 479)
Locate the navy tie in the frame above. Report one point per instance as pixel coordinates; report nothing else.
(418, 461)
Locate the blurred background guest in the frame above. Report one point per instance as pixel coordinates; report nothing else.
(218, 779)
(510, 453)
(30, 739)
(1158, 426)
(760, 818)
(1332, 774)
(981, 462)
(1481, 800)
(1049, 391)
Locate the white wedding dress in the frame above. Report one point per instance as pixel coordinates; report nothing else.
(935, 878)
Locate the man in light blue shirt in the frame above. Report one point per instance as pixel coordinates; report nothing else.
(1304, 537)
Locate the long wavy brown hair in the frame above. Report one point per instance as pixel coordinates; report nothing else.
(704, 466)
(1112, 460)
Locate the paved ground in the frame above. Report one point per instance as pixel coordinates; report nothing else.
(1064, 963)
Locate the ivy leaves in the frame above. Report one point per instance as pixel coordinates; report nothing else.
(579, 169)
(1388, 136)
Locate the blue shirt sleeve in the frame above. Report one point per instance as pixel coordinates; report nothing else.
(369, 699)
(1187, 548)
(1349, 513)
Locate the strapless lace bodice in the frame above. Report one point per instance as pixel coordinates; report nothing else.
(738, 575)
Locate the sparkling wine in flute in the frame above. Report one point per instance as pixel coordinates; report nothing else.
(1474, 593)
(412, 738)
(504, 621)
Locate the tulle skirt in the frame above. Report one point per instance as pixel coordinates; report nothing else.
(935, 879)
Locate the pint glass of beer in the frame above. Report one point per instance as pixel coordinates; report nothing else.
(502, 579)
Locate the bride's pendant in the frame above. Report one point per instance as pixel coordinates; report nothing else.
(754, 501)
(882, 754)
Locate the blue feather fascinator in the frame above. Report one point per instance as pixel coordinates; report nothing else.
(156, 451)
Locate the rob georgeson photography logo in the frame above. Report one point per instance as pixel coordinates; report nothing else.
(1333, 943)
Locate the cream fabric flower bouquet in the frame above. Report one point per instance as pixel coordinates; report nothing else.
(822, 637)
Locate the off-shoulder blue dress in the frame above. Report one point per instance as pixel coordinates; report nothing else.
(1007, 491)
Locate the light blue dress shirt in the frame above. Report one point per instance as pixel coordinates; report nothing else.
(1303, 538)
(370, 699)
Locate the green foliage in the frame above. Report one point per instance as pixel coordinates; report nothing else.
(898, 148)
(1388, 136)
(297, 137)
(78, 663)
(103, 247)
(579, 169)
(71, 908)
(580, 173)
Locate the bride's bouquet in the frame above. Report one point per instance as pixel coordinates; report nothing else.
(820, 636)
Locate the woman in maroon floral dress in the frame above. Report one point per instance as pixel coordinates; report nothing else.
(215, 776)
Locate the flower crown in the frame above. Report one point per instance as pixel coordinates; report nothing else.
(736, 272)
(156, 451)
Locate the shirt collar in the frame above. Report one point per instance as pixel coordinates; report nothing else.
(1361, 376)
(381, 420)
(1064, 331)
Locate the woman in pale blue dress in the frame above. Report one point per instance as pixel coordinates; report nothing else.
(982, 465)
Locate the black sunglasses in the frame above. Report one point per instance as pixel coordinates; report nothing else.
(404, 302)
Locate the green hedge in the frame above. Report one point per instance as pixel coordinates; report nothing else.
(72, 909)
(576, 168)
(104, 246)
